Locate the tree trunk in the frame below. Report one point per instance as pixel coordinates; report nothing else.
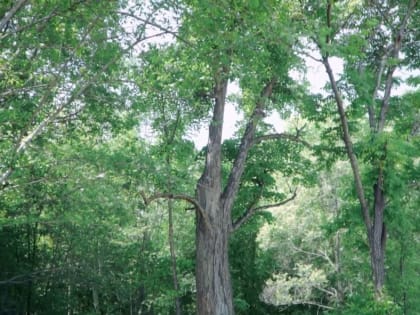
(214, 225)
(377, 238)
(214, 288)
(375, 230)
(173, 256)
(402, 275)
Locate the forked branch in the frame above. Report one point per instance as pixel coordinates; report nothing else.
(246, 143)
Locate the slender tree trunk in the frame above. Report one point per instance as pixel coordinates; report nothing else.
(402, 275)
(377, 237)
(375, 230)
(95, 290)
(337, 251)
(170, 137)
(173, 255)
(32, 256)
(69, 297)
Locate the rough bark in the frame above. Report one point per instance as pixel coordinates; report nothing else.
(214, 289)
(213, 204)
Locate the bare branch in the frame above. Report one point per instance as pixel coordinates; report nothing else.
(193, 201)
(251, 211)
(317, 304)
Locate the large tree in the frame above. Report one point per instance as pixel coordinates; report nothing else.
(222, 42)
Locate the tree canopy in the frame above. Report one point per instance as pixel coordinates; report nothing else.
(109, 206)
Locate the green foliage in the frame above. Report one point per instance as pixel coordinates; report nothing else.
(367, 304)
(76, 235)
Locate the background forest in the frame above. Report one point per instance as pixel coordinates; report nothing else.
(109, 205)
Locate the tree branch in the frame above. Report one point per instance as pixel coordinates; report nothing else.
(250, 212)
(285, 136)
(349, 145)
(186, 198)
(151, 23)
(247, 141)
(328, 38)
(319, 254)
(37, 130)
(316, 304)
(310, 56)
(371, 110)
(8, 16)
(212, 169)
(42, 20)
(396, 47)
